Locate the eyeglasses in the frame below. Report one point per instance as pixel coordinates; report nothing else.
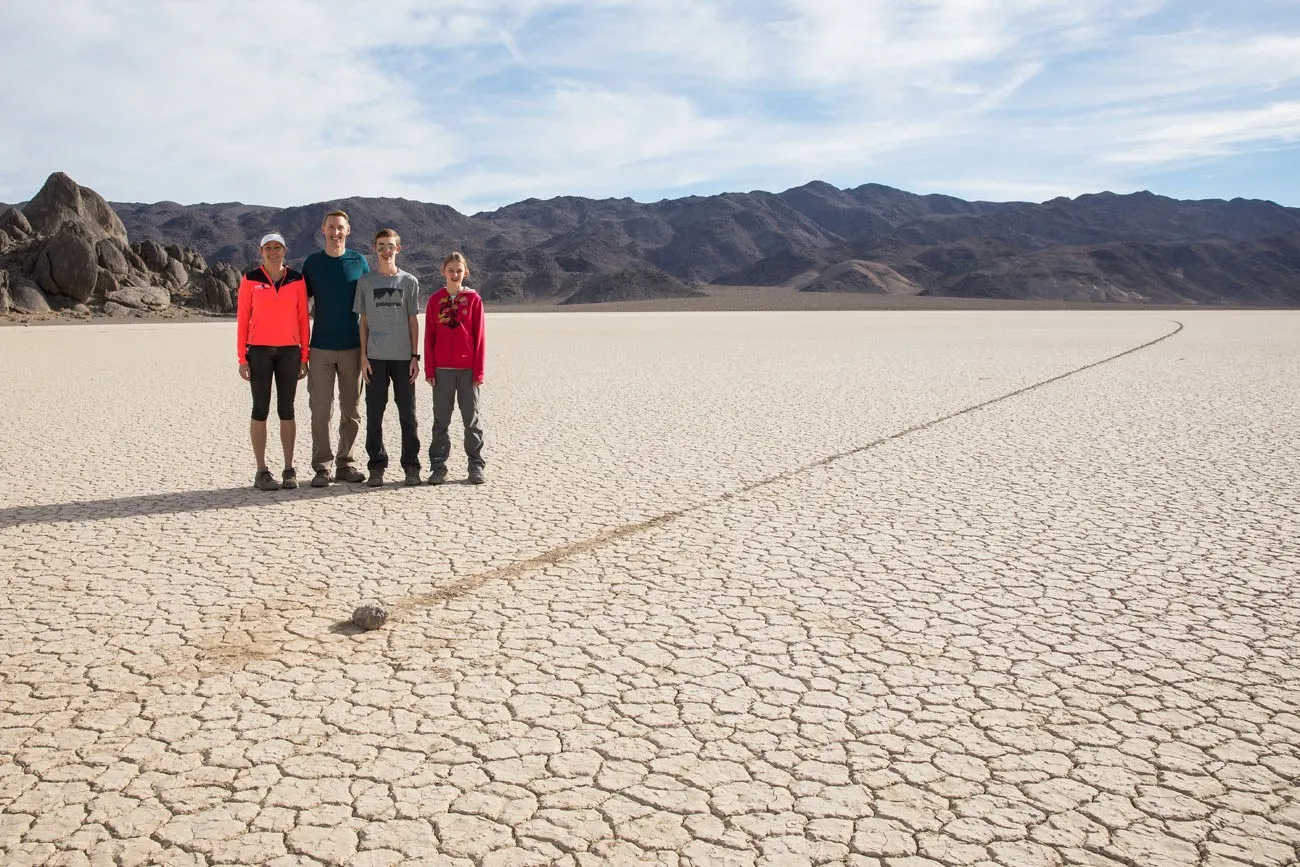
(383, 248)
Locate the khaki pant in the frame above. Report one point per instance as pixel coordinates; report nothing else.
(327, 367)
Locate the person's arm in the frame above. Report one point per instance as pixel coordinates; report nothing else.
(413, 322)
(243, 316)
(359, 306)
(479, 338)
(411, 305)
(430, 326)
(304, 328)
(365, 359)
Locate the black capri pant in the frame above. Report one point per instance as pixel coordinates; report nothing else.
(280, 363)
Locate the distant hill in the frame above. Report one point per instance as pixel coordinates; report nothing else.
(1139, 248)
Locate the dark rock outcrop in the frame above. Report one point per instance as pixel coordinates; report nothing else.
(153, 254)
(15, 224)
(63, 200)
(68, 264)
(26, 297)
(112, 256)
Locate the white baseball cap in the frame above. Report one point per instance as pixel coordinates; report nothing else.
(272, 236)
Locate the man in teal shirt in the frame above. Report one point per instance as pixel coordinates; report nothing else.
(332, 276)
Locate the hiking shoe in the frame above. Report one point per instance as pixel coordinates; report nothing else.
(290, 478)
(350, 474)
(321, 479)
(376, 479)
(413, 478)
(265, 481)
(476, 476)
(438, 476)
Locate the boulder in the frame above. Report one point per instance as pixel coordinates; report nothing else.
(13, 222)
(112, 308)
(174, 273)
(141, 297)
(134, 262)
(228, 274)
(196, 262)
(112, 256)
(6, 241)
(64, 200)
(67, 264)
(175, 252)
(4, 292)
(213, 293)
(25, 297)
(106, 283)
(153, 254)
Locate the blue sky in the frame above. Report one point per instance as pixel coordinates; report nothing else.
(479, 103)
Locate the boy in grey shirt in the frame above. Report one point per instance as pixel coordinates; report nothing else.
(390, 332)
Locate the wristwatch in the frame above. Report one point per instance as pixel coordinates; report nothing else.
(415, 356)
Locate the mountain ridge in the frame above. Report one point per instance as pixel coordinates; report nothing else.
(1117, 247)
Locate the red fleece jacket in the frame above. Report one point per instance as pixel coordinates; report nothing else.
(453, 332)
(270, 313)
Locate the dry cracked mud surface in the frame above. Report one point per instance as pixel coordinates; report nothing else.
(868, 589)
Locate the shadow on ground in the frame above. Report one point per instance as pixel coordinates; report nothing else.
(162, 504)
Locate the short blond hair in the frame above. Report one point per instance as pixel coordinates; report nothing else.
(388, 233)
(456, 257)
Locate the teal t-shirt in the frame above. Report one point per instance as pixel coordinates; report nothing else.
(332, 282)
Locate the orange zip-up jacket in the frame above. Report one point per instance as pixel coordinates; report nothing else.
(272, 313)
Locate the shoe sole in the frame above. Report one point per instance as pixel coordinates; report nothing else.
(320, 484)
(288, 486)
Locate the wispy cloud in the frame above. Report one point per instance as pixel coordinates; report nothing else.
(481, 102)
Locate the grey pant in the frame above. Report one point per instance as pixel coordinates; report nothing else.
(328, 367)
(455, 386)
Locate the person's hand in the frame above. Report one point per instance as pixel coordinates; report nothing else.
(244, 371)
(429, 379)
(302, 370)
(365, 369)
(415, 370)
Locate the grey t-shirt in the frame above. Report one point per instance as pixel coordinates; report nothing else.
(388, 303)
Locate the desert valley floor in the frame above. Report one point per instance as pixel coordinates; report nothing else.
(880, 589)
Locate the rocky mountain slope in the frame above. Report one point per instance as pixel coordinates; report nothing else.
(1102, 247)
(67, 249)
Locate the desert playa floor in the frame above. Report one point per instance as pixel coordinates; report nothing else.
(882, 589)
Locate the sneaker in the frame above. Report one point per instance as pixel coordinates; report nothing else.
(350, 474)
(321, 479)
(265, 481)
(438, 476)
(413, 478)
(376, 478)
(476, 476)
(290, 478)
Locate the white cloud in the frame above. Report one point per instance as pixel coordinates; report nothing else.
(481, 102)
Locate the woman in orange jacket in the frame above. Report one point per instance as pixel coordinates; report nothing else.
(272, 346)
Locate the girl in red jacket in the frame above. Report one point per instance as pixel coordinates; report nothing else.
(453, 364)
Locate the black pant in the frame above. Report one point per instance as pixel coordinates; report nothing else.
(280, 363)
(399, 374)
